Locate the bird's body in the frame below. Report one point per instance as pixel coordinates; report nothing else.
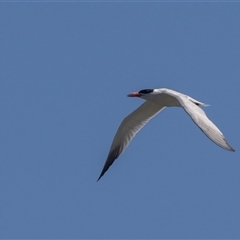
(156, 101)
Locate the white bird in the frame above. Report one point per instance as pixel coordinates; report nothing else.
(156, 101)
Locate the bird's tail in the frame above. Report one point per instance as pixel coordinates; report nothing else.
(197, 102)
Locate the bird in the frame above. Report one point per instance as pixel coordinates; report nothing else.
(156, 101)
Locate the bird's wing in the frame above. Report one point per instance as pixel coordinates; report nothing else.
(202, 121)
(128, 129)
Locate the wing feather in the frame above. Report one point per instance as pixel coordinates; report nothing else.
(202, 121)
(128, 129)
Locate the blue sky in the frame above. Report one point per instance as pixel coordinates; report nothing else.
(66, 69)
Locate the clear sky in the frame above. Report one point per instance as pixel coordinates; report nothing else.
(66, 69)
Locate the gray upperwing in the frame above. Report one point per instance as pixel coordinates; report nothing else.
(128, 129)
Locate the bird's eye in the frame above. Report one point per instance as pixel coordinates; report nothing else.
(146, 91)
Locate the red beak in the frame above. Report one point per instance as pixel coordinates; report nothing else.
(134, 94)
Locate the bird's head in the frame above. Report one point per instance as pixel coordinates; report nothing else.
(145, 93)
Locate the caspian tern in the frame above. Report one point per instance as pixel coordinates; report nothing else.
(156, 101)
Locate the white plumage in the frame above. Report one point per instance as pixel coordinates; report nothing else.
(156, 101)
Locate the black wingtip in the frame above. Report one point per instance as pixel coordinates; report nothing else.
(110, 159)
(229, 147)
(105, 168)
(233, 150)
(102, 173)
(99, 177)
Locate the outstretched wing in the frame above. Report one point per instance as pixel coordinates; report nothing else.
(201, 120)
(128, 129)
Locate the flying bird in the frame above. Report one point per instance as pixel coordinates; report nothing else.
(156, 101)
